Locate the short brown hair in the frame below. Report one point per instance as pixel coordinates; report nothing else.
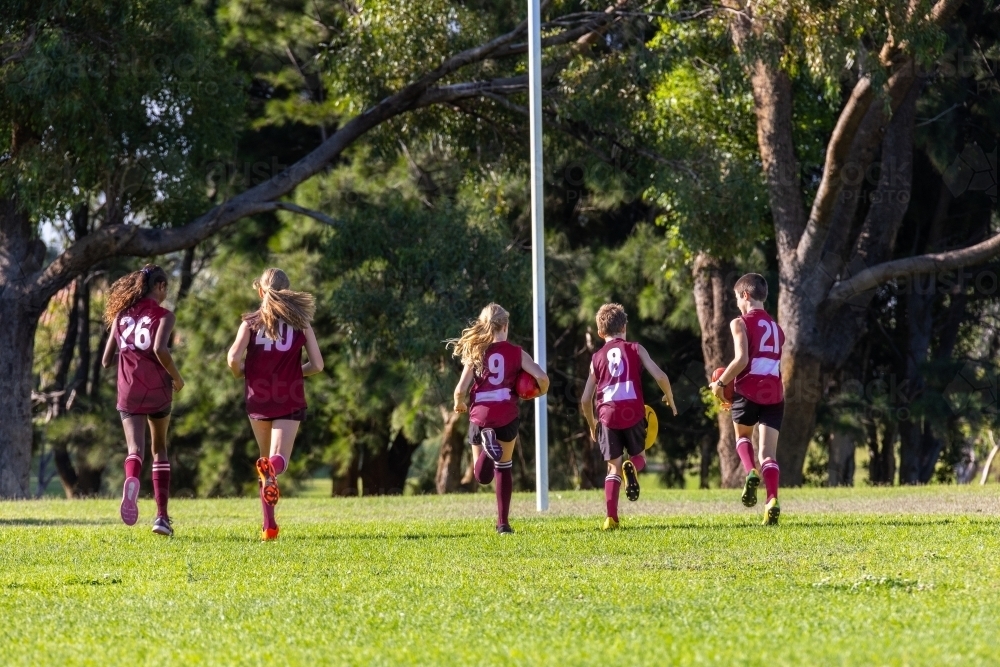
(754, 285)
(611, 320)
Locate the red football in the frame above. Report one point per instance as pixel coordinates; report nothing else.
(526, 386)
(727, 390)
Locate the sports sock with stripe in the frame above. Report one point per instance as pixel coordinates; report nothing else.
(612, 488)
(269, 522)
(744, 447)
(133, 466)
(504, 482)
(279, 464)
(484, 468)
(639, 461)
(161, 486)
(770, 472)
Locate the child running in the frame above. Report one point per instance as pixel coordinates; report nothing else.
(616, 380)
(758, 398)
(272, 338)
(147, 377)
(491, 369)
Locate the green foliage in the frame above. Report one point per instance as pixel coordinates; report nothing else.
(401, 580)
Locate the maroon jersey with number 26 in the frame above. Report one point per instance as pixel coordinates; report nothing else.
(494, 401)
(618, 370)
(144, 386)
(273, 372)
(760, 381)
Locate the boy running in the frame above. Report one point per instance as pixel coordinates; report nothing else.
(758, 398)
(616, 380)
(491, 369)
(273, 337)
(147, 378)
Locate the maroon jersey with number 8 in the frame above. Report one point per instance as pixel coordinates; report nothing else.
(144, 386)
(618, 370)
(494, 401)
(273, 373)
(760, 381)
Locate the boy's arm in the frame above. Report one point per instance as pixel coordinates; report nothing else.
(462, 389)
(662, 381)
(529, 366)
(587, 403)
(740, 359)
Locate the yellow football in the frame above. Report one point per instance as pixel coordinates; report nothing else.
(652, 427)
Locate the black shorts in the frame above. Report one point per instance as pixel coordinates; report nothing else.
(747, 413)
(616, 441)
(151, 415)
(505, 433)
(297, 416)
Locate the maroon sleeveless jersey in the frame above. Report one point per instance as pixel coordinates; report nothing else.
(618, 370)
(144, 386)
(494, 401)
(273, 373)
(760, 381)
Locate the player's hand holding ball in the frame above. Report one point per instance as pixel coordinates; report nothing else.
(722, 393)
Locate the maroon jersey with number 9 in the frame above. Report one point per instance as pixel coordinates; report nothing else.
(144, 386)
(273, 373)
(618, 371)
(760, 381)
(494, 401)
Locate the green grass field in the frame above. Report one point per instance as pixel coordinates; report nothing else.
(853, 576)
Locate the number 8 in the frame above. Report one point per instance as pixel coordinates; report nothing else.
(615, 362)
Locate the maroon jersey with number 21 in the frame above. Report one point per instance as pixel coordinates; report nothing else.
(144, 386)
(494, 401)
(618, 370)
(273, 372)
(760, 381)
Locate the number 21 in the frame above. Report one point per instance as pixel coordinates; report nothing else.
(770, 329)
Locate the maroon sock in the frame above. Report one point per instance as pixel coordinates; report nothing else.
(133, 466)
(279, 464)
(744, 447)
(639, 461)
(269, 522)
(161, 486)
(505, 485)
(769, 471)
(612, 487)
(484, 468)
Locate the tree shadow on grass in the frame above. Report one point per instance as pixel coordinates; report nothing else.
(59, 522)
(787, 524)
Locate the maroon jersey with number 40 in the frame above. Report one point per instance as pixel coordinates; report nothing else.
(144, 386)
(273, 373)
(760, 381)
(494, 401)
(618, 370)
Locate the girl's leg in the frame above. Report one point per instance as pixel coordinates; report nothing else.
(283, 432)
(135, 439)
(262, 434)
(484, 465)
(504, 479)
(161, 465)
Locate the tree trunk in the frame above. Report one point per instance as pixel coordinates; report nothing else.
(840, 470)
(716, 307)
(882, 465)
(449, 468)
(17, 348)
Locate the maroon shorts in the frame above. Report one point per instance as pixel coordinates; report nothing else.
(297, 416)
(616, 441)
(152, 415)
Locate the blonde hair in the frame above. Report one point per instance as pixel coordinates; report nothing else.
(611, 320)
(471, 345)
(296, 309)
(130, 288)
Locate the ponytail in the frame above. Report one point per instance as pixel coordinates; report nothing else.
(296, 309)
(130, 288)
(471, 345)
